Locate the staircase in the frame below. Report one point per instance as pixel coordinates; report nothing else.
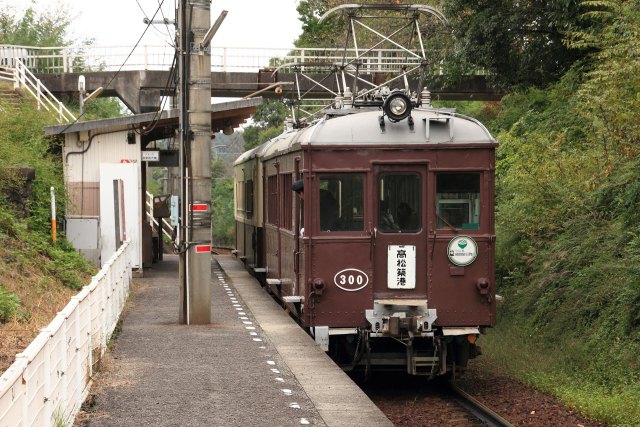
(8, 96)
(18, 80)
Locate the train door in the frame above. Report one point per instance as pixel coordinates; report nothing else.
(399, 233)
(338, 251)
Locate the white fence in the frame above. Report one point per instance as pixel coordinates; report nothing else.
(48, 382)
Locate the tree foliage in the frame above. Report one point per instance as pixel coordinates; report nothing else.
(518, 43)
(222, 204)
(48, 28)
(331, 32)
(268, 121)
(610, 94)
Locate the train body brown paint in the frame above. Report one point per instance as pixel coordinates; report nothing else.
(387, 255)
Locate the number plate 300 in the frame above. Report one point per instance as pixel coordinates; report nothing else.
(351, 279)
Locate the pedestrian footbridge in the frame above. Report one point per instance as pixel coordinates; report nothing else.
(140, 75)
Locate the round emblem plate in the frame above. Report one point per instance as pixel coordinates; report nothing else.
(462, 250)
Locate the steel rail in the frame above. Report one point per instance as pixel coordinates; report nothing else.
(476, 408)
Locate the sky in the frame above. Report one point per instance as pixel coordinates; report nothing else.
(249, 23)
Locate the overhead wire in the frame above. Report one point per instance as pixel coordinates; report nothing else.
(120, 68)
(163, 100)
(166, 24)
(170, 43)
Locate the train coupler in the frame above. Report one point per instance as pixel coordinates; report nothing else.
(398, 318)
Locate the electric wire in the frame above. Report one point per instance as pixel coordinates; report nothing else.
(119, 69)
(154, 28)
(163, 100)
(166, 24)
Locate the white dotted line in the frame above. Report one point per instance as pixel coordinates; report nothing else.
(242, 316)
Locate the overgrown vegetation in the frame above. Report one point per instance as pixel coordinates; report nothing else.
(23, 145)
(9, 305)
(37, 276)
(568, 225)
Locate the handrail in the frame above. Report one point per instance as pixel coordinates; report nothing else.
(23, 78)
(63, 59)
(168, 230)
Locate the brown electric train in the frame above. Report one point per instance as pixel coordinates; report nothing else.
(374, 226)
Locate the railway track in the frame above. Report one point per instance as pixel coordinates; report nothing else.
(411, 402)
(477, 409)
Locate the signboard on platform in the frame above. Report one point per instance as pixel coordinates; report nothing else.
(150, 156)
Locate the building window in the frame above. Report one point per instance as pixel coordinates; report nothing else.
(458, 200)
(341, 202)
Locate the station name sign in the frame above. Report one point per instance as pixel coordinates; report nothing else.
(150, 156)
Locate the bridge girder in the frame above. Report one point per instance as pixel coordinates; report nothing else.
(141, 91)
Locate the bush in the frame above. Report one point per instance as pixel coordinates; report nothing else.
(9, 305)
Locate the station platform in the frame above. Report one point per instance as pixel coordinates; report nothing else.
(253, 365)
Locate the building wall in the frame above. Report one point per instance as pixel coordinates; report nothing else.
(83, 154)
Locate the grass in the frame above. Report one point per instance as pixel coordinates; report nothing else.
(37, 277)
(559, 370)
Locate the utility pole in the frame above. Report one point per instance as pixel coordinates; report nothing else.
(194, 240)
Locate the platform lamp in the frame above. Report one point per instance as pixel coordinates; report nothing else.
(81, 90)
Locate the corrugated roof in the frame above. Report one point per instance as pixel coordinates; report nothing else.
(139, 119)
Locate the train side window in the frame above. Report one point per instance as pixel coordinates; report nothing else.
(286, 208)
(238, 197)
(248, 198)
(341, 202)
(272, 199)
(399, 202)
(458, 200)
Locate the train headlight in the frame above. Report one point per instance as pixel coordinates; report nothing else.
(397, 106)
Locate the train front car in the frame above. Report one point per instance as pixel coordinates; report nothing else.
(397, 240)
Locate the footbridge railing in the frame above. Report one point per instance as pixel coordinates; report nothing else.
(48, 382)
(67, 59)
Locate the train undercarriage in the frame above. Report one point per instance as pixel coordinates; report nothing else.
(400, 340)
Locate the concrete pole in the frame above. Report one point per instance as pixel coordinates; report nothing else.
(184, 129)
(197, 165)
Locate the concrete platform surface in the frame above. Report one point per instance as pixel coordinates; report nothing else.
(253, 366)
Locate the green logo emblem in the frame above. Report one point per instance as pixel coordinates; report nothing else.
(462, 244)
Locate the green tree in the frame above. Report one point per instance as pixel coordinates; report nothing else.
(518, 43)
(331, 32)
(268, 120)
(48, 28)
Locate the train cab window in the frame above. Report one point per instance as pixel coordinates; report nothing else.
(341, 202)
(399, 202)
(458, 200)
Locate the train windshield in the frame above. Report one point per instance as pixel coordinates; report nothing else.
(458, 200)
(399, 202)
(342, 202)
